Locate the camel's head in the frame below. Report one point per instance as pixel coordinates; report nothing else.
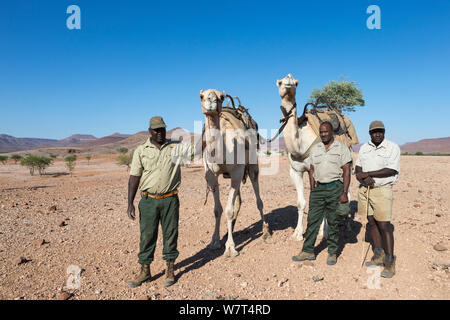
(287, 86)
(212, 101)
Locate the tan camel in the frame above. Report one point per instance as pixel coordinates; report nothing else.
(225, 136)
(298, 141)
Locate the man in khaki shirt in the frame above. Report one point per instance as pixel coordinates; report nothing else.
(329, 177)
(377, 168)
(155, 169)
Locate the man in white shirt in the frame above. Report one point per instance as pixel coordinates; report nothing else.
(377, 167)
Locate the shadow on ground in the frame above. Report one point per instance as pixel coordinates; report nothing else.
(278, 219)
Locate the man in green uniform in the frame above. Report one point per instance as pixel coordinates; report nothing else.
(329, 178)
(155, 169)
(377, 167)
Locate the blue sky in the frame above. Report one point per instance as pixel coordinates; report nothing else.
(135, 59)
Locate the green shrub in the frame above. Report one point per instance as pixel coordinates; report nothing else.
(16, 158)
(70, 163)
(36, 162)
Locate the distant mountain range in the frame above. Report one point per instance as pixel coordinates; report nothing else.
(10, 143)
(438, 145)
(85, 143)
(79, 142)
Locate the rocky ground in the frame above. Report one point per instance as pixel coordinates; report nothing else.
(53, 224)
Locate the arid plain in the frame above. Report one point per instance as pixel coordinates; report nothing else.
(49, 223)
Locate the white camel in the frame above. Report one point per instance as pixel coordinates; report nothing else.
(226, 135)
(298, 140)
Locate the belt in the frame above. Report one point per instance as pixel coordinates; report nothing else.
(330, 184)
(160, 196)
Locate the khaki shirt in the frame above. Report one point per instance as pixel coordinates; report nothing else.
(160, 169)
(327, 163)
(386, 155)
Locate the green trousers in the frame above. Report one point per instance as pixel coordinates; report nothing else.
(151, 212)
(323, 199)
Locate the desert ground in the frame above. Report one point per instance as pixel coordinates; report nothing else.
(51, 222)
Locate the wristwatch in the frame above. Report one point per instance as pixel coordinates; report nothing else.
(345, 191)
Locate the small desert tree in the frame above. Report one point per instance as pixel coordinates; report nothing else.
(42, 163)
(36, 162)
(16, 158)
(3, 159)
(70, 163)
(122, 150)
(88, 158)
(342, 95)
(53, 156)
(30, 162)
(125, 159)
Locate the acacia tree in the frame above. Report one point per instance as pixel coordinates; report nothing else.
(70, 163)
(122, 150)
(43, 163)
(16, 158)
(3, 159)
(36, 162)
(342, 95)
(30, 162)
(88, 158)
(125, 159)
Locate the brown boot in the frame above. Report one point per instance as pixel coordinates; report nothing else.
(377, 259)
(170, 278)
(145, 275)
(302, 256)
(389, 268)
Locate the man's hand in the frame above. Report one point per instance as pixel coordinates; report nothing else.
(361, 176)
(369, 181)
(131, 212)
(133, 184)
(343, 198)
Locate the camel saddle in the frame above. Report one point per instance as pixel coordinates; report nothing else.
(343, 128)
(240, 118)
(239, 114)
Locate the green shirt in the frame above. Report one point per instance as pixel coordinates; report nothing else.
(327, 163)
(159, 169)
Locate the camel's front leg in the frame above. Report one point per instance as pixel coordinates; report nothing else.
(236, 177)
(323, 230)
(297, 178)
(253, 172)
(213, 184)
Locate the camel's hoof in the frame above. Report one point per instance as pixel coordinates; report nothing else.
(231, 253)
(297, 236)
(267, 236)
(266, 232)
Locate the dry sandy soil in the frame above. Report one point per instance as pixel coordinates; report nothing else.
(98, 237)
